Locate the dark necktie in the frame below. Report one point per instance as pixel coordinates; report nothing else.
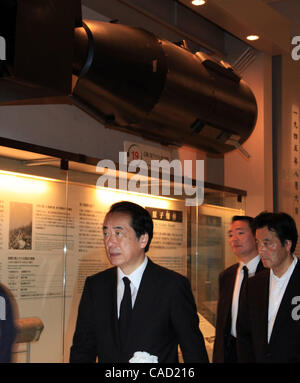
(243, 285)
(125, 311)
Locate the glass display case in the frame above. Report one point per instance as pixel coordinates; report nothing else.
(52, 205)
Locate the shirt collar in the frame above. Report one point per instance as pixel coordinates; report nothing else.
(251, 265)
(287, 274)
(136, 276)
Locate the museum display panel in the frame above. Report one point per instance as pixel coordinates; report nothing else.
(32, 247)
(51, 214)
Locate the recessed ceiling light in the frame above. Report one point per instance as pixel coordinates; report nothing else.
(252, 37)
(198, 2)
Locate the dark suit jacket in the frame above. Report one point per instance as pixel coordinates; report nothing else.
(284, 345)
(7, 326)
(223, 323)
(164, 315)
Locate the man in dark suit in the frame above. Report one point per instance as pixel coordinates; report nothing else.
(162, 313)
(242, 242)
(269, 321)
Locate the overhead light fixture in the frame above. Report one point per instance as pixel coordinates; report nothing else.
(252, 37)
(198, 2)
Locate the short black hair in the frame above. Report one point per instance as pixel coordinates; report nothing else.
(246, 218)
(141, 220)
(282, 224)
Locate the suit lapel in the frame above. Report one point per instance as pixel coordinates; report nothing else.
(231, 281)
(259, 267)
(145, 293)
(263, 307)
(113, 307)
(145, 288)
(285, 308)
(229, 287)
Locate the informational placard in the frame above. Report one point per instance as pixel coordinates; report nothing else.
(169, 241)
(147, 153)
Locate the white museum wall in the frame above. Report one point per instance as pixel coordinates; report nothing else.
(255, 174)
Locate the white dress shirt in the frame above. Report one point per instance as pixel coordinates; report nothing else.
(277, 288)
(252, 266)
(135, 280)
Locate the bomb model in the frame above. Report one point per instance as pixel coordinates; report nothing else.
(132, 80)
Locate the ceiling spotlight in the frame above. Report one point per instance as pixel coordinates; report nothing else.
(252, 37)
(198, 2)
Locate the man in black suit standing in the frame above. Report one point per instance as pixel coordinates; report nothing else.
(269, 321)
(136, 305)
(231, 285)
